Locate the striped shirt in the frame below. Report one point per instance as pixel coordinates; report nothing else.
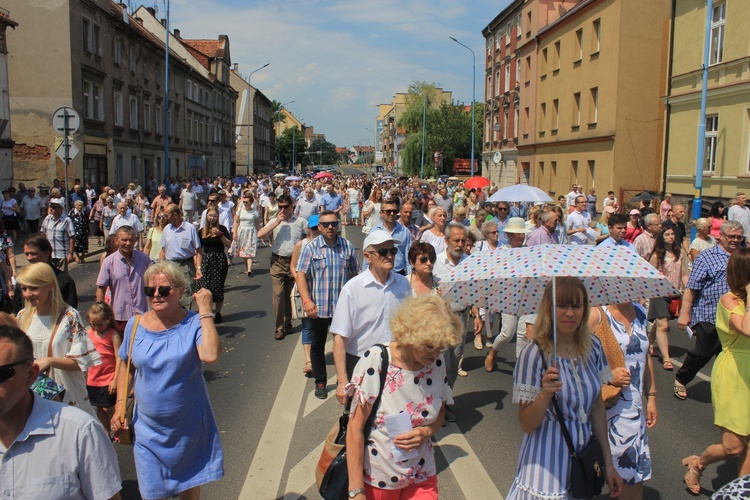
(327, 270)
(58, 232)
(708, 281)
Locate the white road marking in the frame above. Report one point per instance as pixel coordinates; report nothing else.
(314, 403)
(302, 476)
(264, 476)
(469, 472)
(700, 375)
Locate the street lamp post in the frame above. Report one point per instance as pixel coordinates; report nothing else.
(247, 132)
(473, 97)
(424, 115)
(278, 127)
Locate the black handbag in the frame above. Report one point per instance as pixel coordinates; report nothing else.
(587, 465)
(332, 475)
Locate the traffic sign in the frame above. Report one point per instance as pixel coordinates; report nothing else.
(72, 152)
(497, 157)
(73, 120)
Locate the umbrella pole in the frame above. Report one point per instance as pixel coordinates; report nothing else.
(554, 321)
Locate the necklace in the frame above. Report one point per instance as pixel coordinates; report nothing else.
(567, 351)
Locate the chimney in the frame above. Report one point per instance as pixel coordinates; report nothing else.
(151, 11)
(164, 21)
(235, 67)
(177, 33)
(139, 20)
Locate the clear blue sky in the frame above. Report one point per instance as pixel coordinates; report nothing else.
(338, 59)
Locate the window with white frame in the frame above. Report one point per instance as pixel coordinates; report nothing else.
(516, 116)
(506, 118)
(518, 72)
(718, 19)
(518, 25)
(497, 83)
(147, 117)
(189, 93)
(92, 36)
(596, 27)
(712, 139)
(489, 87)
(117, 51)
(576, 109)
(507, 78)
(133, 62)
(119, 109)
(133, 113)
(579, 45)
(93, 99)
(594, 105)
(88, 99)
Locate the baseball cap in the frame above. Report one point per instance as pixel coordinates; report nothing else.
(57, 201)
(313, 221)
(635, 211)
(378, 237)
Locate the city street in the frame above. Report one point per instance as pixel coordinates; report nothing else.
(272, 427)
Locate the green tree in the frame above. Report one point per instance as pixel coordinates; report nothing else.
(323, 152)
(290, 155)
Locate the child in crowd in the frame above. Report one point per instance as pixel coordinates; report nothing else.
(101, 380)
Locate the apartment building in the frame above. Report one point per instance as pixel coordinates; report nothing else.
(726, 162)
(253, 112)
(598, 116)
(6, 143)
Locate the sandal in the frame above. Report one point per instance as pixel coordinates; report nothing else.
(680, 391)
(478, 345)
(489, 362)
(307, 369)
(694, 473)
(667, 365)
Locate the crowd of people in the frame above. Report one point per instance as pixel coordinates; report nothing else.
(168, 249)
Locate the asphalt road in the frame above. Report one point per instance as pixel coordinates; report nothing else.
(272, 426)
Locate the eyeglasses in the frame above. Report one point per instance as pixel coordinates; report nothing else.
(150, 291)
(733, 238)
(284, 206)
(212, 201)
(504, 209)
(7, 371)
(430, 348)
(385, 251)
(389, 212)
(570, 307)
(424, 259)
(334, 223)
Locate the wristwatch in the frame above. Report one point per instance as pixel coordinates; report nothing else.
(354, 493)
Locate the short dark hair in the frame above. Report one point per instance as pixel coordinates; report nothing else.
(16, 336)
(420, 247)
(285, 198)
(615, 219)
(40, 242)
(327, 212)
(126, 229)
(610, 192)
(389, 201)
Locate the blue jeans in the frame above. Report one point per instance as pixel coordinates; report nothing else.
(307, 331)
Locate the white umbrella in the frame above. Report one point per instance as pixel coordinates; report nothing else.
(292, 178)
(520, 193)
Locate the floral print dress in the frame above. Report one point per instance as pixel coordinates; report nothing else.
(421, 394)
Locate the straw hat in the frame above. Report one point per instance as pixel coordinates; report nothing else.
(516, 225)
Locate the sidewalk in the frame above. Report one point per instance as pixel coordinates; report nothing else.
(94, 249)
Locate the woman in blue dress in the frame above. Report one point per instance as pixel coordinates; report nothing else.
(635, 410)
(544, 459)
(177, 447)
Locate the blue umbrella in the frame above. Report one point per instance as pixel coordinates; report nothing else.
(240, 180)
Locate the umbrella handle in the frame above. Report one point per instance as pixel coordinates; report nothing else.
(554, 320)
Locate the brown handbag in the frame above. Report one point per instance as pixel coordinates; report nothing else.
(127, 436)
(615, 357)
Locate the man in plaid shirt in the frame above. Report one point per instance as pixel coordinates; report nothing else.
(324, 267)
(707, 283)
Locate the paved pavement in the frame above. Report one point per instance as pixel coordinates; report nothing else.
(272, 426)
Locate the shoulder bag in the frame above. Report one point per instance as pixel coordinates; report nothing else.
(298, 310)
(127, 436)
(44, 386)
(587, 465)
(615, 357)
(331, 474)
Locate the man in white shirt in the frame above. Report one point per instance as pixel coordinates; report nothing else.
(123, 218)
(610, 200)
(365, 305)
(307, 205)
(740, 213)
(32, 207)
(49, 450)
(570, 199)
(579, 222)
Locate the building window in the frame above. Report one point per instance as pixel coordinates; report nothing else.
(134, 167)
(489, 88)
(117, 51)
(528, 24)
(93, 102)
(505, 124)
(119, 170)
(712, 137)
(190, 129)
(518, 25)
(596, 36)
(92, 36)
(515, 122)
(526, 118)
(88, 93)
(592, 171)
(147, 117)
(507, 78)
(518, 72)
(159, 119)
(574, 170)
(718, 18)
(132, 63)
(556, 58)
(528, 69)
(576, 110)
(118, 108)
(133, 113)
(190, 90)
(555, 113)
(497, 83)
(544, 63)
(579, 45)
(542, 118)
(594, 106)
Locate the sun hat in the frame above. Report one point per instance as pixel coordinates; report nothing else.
(516, 225)
(378, 237)
(57, 201)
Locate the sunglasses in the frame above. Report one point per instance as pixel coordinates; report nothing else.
(424, 260)
(385, 251)
(389, 212)
(150, 291)
(329, 224)
(284, 206)
(505, 209)
(7, 371)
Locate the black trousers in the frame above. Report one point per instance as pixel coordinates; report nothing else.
(707, 345)
(318, 349)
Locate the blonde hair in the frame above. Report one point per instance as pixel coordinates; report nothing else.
(434, 210)
(206, 231)
(101, 309)
(170, 270)
(36, 276)
(426, 320)
(702, 223)
(569, 291)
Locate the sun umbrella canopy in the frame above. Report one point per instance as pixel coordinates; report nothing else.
(644, 196)
(477, 182)
(240, 180)
(520, 193)
(323, 175)
(513, 280)
(280, 175)
(292, 178)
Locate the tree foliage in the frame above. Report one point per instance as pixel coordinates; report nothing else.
(447, 129)
(277, 115)
(291, 156)
(322, 152)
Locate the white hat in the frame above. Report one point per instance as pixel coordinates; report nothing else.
(516, 225)
(57, 201)
(377, 237)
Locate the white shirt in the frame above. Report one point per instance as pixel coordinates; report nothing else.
(32, 207)
(577, 220)
(287, 234)
(61, 453)
(570, 200)
(442, 270)
(741, 215)
(129, 220)
(364, 309)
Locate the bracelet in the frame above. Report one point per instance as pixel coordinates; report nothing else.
(652, 394)
(206, 316)
(306, 302)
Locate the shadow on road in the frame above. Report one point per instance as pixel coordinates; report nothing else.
(466, 406)
(441, 463)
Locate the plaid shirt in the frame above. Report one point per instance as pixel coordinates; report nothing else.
(708, 281)
(327, 270)
(58, 232)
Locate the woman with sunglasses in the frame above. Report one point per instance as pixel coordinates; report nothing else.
(422, 260)
(177, 448)
(245, 230)
(62, 347)
(153, 237)
(421, 329)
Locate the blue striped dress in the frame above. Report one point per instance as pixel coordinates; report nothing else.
(544, 460)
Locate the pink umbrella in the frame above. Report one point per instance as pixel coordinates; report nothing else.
(323, 175)
(477, 182)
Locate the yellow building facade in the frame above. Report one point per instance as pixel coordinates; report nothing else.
(598, 114)
(726, 163)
